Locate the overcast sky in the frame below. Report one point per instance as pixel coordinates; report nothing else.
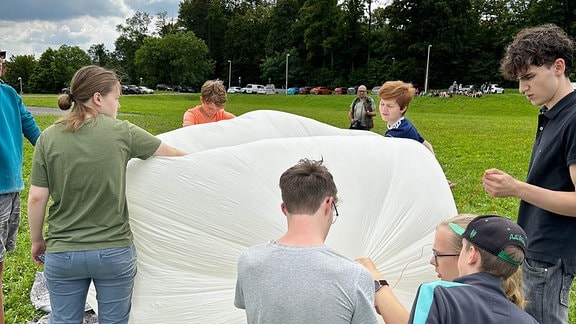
(30, 27)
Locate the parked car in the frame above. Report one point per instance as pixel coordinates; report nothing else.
(164, 87)
(376, 89)
(184, 89)
(252, 88)
(270, 89)
(260, 89)
(304, 90)
(340, 90)
(132, 89)
(65, 90)
(320, 90)
(234, 90)
(494, 88)
(292, 91)
(352, 90)
(145, 90)
(467, 88)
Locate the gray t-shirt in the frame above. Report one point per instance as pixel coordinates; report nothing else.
(281, 284)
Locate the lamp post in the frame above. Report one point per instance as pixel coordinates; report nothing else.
(286, 89)
(229, 72)
(427, 65)
(20, 79)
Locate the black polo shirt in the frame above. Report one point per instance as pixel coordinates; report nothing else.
(552, 236)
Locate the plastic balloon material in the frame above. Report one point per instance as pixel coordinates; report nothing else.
(192, 216)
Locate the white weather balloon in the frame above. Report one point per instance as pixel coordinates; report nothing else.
(192, 216)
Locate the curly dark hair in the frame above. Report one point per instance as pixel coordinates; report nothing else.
(538, 46)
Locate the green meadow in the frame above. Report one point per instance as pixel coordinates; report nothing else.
(469, 135)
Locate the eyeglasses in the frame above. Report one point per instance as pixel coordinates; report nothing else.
(361, 91)
(335, 210)
(437, 255)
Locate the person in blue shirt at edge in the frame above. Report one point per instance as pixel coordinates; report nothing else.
(395, 97)
(541, 59)
(493, 248)
(15, 121)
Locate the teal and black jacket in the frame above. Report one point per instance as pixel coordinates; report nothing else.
(476, 298)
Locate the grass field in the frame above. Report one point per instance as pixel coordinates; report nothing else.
(469, 135)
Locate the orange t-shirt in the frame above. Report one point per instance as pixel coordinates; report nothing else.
(194, 116)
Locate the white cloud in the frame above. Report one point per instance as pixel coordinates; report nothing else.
(30, 27)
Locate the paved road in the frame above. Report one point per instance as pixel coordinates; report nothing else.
(47, 111)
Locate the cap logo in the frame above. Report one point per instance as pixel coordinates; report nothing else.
(518, 237)
(473, 233)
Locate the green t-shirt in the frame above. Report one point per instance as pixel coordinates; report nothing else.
(85, 172)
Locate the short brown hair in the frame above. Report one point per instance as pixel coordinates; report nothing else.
(305, 185)
(538, 46)
(400, 91)
(214, 91)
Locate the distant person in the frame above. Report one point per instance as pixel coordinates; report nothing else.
(213, 99)
(362, 110)
(395, 98)
(493, 248)
(540, 58)
(15, 121)
(446, 249)
(297, 278)
(80, 163)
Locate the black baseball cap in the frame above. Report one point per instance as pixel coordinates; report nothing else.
(493, 234)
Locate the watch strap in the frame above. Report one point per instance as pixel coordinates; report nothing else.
(379, 283)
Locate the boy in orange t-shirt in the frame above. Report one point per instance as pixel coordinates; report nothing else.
(213, 98)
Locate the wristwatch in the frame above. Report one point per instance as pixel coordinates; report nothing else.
(379, 283)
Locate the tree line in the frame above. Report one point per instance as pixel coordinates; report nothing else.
(318, 42)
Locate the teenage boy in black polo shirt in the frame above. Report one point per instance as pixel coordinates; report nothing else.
(540, 58)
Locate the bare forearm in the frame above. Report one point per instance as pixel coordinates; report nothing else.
(37, 201)
(167, 150)
(392, 311)
(559, 202)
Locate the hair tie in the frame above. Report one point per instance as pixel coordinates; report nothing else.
(70, 97)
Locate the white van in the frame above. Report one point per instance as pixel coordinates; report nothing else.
(252, 88)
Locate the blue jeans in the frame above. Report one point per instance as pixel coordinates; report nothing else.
(546, 288)
(68, 276)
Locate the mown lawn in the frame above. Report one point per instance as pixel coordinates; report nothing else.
(469, 135)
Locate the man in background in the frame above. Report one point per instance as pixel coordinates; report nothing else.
(362, 111)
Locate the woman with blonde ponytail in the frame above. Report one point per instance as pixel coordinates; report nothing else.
(80, 163)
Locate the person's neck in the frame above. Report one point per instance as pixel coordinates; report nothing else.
(390, 122)
(563, 90)
(302, 232)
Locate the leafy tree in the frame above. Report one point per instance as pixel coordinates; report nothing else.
(446, 25)
(20, 66)
(132, 36)
(56, 68)
(165, 25)
(246, 40)
(175, 59)
(99, 55)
